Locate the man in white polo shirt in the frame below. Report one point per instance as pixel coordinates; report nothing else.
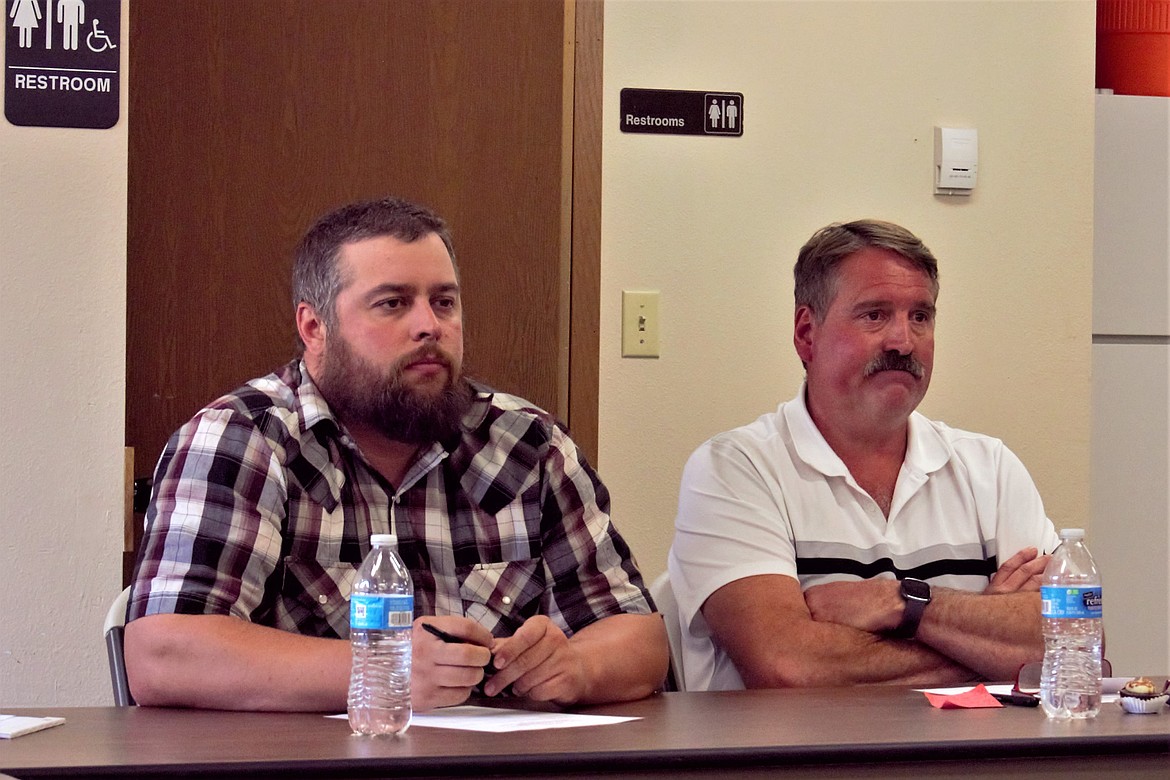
(846, 539)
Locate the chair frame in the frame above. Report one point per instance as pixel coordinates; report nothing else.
(663, 595)
(113, 631)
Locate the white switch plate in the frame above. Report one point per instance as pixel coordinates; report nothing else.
(639, 323)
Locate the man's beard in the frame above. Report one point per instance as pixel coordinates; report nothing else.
(360, 394)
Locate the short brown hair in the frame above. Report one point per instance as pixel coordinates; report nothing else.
(316, 277)
(815, 272)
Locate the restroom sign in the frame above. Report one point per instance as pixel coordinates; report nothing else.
(61, 62)
(681, 112)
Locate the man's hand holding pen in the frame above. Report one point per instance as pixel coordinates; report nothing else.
(537, 662)
(540, 663)
(450, 658)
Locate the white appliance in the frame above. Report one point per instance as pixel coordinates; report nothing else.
(1130, 532)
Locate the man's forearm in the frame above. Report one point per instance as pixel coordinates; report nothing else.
(626, 657)
(992, 634)
(221, 662)
(826, 654)
(776, 641)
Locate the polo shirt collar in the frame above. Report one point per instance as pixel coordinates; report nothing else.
(926, 451)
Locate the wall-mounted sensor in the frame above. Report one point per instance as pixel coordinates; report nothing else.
(956, 160)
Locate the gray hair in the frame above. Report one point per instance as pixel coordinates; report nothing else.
(316, 275)
(817, 264)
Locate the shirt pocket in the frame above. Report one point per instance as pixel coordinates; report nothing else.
(316, 596)
(501, 596)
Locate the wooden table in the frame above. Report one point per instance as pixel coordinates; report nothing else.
(859, 733)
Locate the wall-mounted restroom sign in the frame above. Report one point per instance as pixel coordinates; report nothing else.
(681, 112)
(61, 62)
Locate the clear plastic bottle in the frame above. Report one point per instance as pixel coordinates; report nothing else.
(1070, 681)
(381, 609)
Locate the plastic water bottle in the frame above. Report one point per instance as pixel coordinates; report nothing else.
(1070, 681)
(381, 609)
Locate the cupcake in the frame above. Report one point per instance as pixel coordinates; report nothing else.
(1141, 696)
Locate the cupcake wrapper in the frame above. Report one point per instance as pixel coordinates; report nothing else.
(1143, 706)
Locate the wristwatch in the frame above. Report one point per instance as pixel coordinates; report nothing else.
(916, 594)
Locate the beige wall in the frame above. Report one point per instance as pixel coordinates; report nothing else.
(840, 99)
(62, 349)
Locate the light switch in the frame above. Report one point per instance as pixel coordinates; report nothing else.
(639, 323)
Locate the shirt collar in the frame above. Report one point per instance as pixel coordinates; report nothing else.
(313, 407)
(480, 405)
(926, 451)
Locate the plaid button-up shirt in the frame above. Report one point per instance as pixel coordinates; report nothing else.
(263, 508)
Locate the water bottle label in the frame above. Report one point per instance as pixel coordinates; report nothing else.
(1063, 602)
(373, 611)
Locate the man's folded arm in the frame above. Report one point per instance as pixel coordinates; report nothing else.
(992, 634)
(763, 624)
(223, 662)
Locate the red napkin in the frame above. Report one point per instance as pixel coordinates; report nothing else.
(967, 700)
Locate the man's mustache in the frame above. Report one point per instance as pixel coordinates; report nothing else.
(893, 361)
(427, 352)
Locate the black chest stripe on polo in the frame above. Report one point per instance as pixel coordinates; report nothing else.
(963, 567)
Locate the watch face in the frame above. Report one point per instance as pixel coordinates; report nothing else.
(915, 589)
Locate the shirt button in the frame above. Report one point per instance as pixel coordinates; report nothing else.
(507, 600)
(322, 599)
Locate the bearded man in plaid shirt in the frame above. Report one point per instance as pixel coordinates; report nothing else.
(264, 504)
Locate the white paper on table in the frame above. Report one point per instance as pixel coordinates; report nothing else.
(12, 726)
(469, 717)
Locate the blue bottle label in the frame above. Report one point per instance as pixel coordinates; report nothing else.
(378, 612)
(1065, 602)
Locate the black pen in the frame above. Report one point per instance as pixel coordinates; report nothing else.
(1018, 699)
(451, 639)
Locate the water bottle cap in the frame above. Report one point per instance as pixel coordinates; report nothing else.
(384, 540)
(1072, 533)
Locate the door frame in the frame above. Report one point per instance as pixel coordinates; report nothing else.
(586, 50)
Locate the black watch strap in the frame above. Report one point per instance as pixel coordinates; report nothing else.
(916, 595)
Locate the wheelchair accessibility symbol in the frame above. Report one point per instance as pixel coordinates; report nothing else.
(98, 37)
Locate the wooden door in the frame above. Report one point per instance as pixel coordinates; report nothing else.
(250, 118)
